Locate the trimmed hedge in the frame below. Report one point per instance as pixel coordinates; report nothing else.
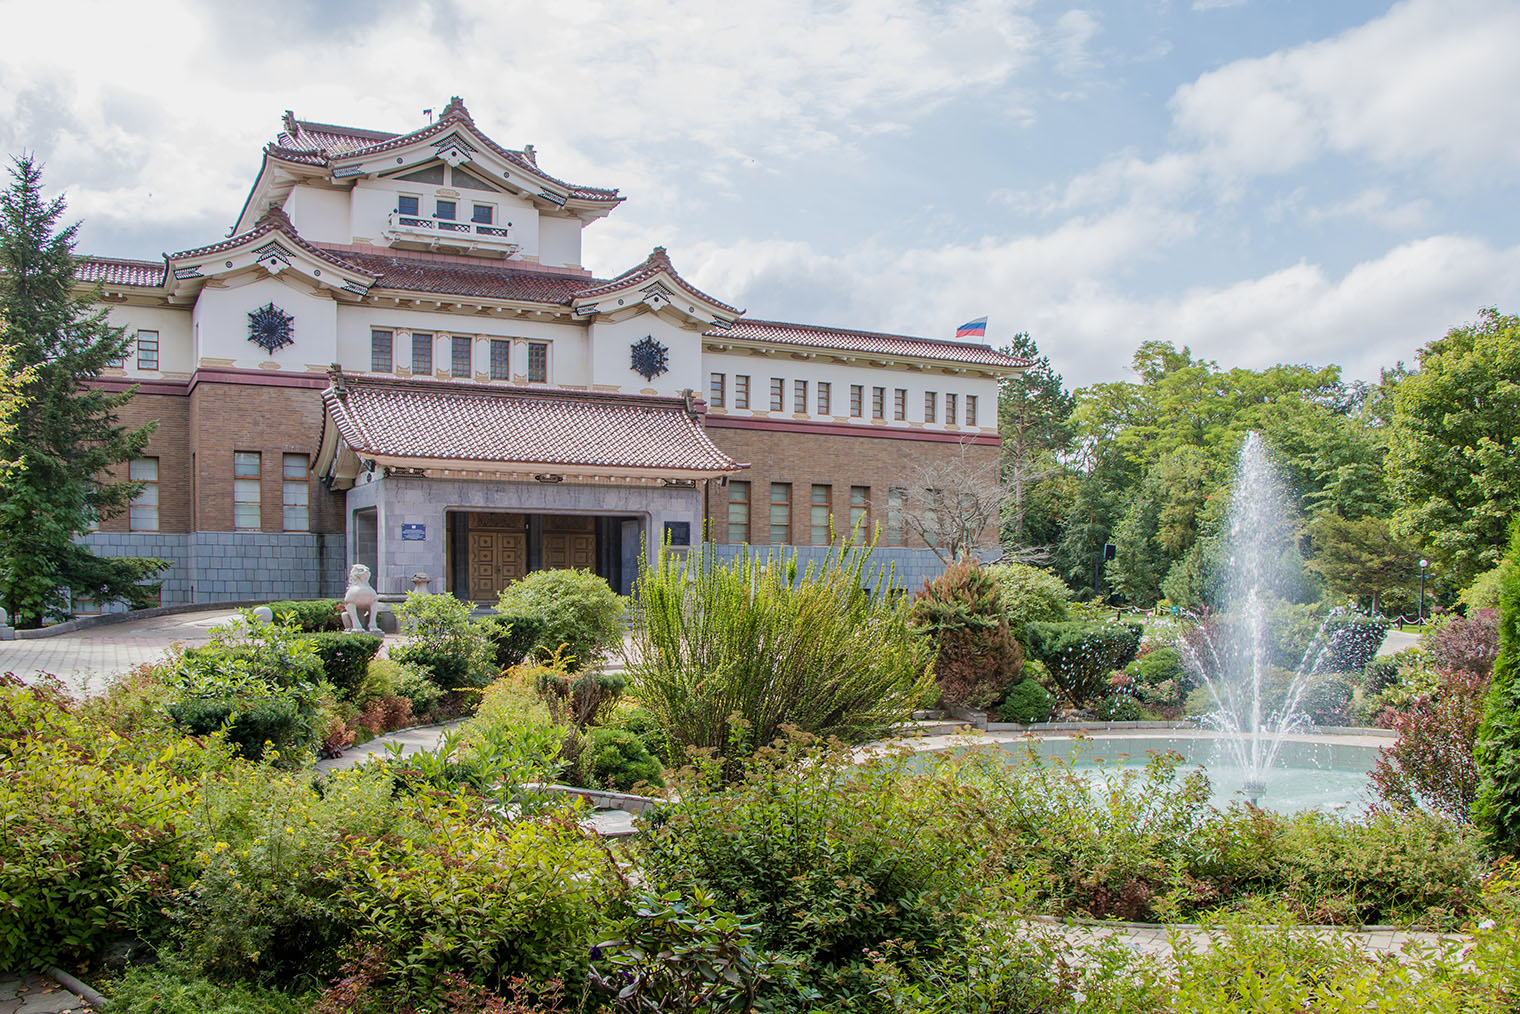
(311, 615)
(1081, 656)
(345, 658)
(1027, 702)
(279, 721)
(513, 635)
(1349, 643)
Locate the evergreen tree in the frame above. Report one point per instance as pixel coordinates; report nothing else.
(67, 438)
(1497, 750)
(1034, 417)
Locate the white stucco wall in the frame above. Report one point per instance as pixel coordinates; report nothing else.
(320, 214)
(612, 362)
(567, 364)
(372, 201)
(175, 353)
(221, 324)
(559, 240)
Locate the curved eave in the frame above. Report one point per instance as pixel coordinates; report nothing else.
(803, 351)
(527, 470)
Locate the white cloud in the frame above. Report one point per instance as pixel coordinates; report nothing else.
(1378, 206)
(1073, 33)
(1214, 5)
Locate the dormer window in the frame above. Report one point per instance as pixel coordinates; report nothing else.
(446, 210)
(408, 204)
(483, 214)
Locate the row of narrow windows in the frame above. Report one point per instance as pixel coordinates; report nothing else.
(247, 493)
(825, 524)
(823, 399)
(461, 349)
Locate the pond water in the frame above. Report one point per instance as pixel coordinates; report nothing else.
(1310, 773)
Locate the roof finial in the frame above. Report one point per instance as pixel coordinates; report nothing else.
(530, 154)
(456, 110)
(292, 127)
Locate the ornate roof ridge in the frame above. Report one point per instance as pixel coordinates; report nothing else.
(830, 329)
(463, 260)
(840, 339)
(348, 382)
(272, 220)
(657, 261)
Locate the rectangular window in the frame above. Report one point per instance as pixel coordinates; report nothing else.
(799, 396)
(297, 493)
(407, 204)
(446, 210)
(878, 403)
(738, 511)
(741, 391)
(716, 384)
(781, 513)
(246, 515)
(818, 514)
(147, 350)
(380, 351)
(142, 516)
(778, 393)
(970, 410)
(538, 362)
(501, 359)
(950, 409)
(825, 396)
(900, 403)
(931, 406)
(482, 214)
(897, 506)
(860, 510)
(856, 395)
(459, 358)
(422, 355)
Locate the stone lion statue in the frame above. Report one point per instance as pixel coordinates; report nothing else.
(359, 601)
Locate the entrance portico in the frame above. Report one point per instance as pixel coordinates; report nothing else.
(474, 486)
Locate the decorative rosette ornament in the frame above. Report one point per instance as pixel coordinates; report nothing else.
(650, 358)
(269, 327)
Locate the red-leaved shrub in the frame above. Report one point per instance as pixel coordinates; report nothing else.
(1431, 764)
(1467, 643)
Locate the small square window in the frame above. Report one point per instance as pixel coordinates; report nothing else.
(422, 355)
(147, 350)
(741, 391)
(380, 347)
(406, 204)
(501, 359)
(538, 362)
(446, 210)
(459, 359)
(483, 214)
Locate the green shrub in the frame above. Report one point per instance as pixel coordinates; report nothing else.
(576, 697)
(1381, 673)
(413, 683)
(174, 987)
(1326, 698)
(89, 828)
(1497, 750)
(1347, 643)
(644, 724)
(1157, 666)
(312, 616)
(756, 640)
(578, 609)
(1082, 656)
(515, 730)
(512, 637)
(1031, 595)
(1120, 707)
(1026, 703)
(961, 613)
(1483, 593)
(451, 648)
(618, 759)
(345, 659)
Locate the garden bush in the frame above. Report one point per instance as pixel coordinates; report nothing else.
(1326, 698)
(961, 613)
(1497, 750)
(578, 609)
(1381, 673)
(516, 729)
(513, 637)
(617, 759)
(713, 640)
(1082, 656)
(345, 659)
(1159, 679)
(577, 697)
(1120, 707)
(1026, 703)
(446, 644)
(174, 987)
(312, 616)
(1431, 764)
(1468, 643)
(1346, 643)
(1031, 595)
(644, 724)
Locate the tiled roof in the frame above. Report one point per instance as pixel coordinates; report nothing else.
(548, 428)
(274, 220)
(487, 279)
(657, 261)
(813, 336)
(119, 271)
(329, 141)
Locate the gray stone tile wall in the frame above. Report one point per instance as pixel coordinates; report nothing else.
(234, 566)
(906, 568)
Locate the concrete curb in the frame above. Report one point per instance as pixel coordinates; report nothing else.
(87, 994)
(106, 620)
(1071, 920)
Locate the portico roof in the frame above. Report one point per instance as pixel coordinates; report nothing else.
(545, 433)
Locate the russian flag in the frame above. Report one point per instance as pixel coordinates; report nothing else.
(973, 329)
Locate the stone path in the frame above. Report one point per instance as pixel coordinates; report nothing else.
(33, 994)
(1157, 941)
(87, 660)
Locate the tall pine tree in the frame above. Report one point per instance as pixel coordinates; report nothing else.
(67, 437)
(1034, 416)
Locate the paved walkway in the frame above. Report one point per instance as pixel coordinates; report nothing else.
(33, 994)
(86, 660)
(1157, 941)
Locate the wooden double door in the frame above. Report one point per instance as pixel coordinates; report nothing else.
(499, 551)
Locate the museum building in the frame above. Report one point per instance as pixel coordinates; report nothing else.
(397, 359)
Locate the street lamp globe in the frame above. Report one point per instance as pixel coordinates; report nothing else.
(1424, 564)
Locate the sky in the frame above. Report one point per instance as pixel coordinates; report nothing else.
(1304, 181)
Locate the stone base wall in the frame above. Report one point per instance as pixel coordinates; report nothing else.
(236, 566)
(909, 568)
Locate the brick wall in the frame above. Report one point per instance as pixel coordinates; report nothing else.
(840, 462)
(170, 444)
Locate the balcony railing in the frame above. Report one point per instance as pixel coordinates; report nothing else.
(417, 230)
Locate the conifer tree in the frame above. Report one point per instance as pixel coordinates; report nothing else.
(67, 437)
(1497, 750)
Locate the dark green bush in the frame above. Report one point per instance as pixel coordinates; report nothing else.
(645, 724)
(446, 644)
(445, 669)
(1347, 644)
(311, 615)
(578, 609)
(345, 659)
(1120, 708)
(512, 637)
(1326, 698)
(1381, 674)
(618, 759)
(174, 987)
(1157, 666)
(961, 613)
(1031, 595)
(1497, 750)
(1027, 702)
(1082, 656)
(280, 722)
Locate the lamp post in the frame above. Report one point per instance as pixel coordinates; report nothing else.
(1423, 564)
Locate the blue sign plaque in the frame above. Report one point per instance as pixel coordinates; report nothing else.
(413, 533)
